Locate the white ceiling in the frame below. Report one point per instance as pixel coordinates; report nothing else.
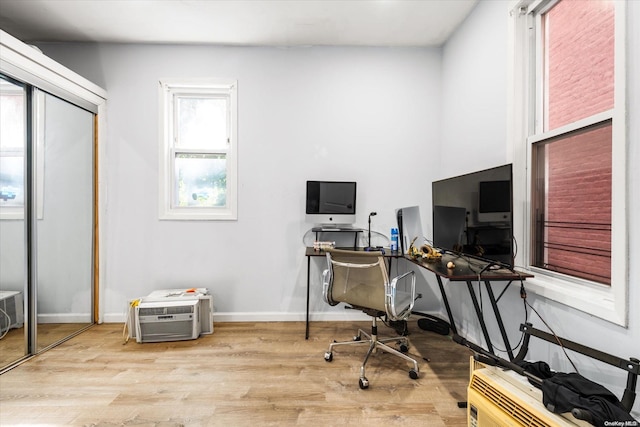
(237, 22)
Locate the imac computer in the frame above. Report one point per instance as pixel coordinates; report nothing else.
(331, 203)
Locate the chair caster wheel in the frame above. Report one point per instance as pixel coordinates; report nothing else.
(357, 338)
(328, 356)
(404, 348)
(364, 383)
(413, 374)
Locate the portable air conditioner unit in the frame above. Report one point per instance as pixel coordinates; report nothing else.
(171, 315)
(496, 397)
(167, 321)
(202, 294)
(12, 314)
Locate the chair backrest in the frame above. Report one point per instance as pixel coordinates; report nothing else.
(357, 278)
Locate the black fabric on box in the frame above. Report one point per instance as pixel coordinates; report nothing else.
(539, 369)
(563, 392)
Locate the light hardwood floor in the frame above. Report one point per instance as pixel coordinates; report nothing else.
(244, 374)
(12, 346)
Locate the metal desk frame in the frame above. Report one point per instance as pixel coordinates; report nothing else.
(469, 269)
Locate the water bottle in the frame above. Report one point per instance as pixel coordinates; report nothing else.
(394, 239)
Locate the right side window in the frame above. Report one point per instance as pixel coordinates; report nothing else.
(571, 145)
(572, 116)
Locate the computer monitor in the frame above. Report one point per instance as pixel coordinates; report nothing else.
(331, 202)
(486, 198)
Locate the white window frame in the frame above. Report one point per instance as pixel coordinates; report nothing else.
(525, 102)
(168, 88)
(17, 212)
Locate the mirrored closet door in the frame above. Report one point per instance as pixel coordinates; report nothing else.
(47, 220)
(64, 225)
(13, 122)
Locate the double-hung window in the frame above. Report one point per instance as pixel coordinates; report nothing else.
(570, 137)
(198, 143)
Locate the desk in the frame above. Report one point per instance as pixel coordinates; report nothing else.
(310, 253)
(468, 269)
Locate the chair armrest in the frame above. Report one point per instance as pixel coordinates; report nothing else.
(399, 304)
(326, 287)
(402, 276)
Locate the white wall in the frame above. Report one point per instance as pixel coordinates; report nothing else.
(474, 88)
(474, 85)
(364, 114)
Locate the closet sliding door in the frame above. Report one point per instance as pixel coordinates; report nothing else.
(48, 207)
(64, 226)
(13, 205)
(46, 220)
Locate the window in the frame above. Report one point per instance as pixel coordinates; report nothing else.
(568, 63)
(13, 143)
(198, 166)
(12, 149)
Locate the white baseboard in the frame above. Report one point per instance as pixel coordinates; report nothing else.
(64, 318)
(347, 315)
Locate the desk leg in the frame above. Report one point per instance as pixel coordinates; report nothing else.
(306, 334)
(480, 317)
(446, 305)
(496, 311)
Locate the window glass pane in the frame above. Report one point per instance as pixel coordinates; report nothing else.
(201, 122)
(11, 116)
(201, 180)
(11, 180)
(572, 177)
(579, 60)
(12, 142)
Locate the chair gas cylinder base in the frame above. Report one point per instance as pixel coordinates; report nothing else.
(360, 280)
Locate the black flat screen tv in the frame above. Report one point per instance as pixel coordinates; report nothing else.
(472, 214)
(331, 202)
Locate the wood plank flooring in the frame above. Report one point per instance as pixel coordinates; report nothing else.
(12, 346)
(244, 374)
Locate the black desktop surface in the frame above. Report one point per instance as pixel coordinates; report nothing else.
(468, 268)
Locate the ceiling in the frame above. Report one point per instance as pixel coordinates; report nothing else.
(236, 22)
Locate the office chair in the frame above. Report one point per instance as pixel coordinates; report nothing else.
(360, 279)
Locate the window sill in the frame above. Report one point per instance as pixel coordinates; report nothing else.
(198, 215)
(593, 299)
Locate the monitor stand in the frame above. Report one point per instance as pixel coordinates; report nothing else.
(335, 227)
